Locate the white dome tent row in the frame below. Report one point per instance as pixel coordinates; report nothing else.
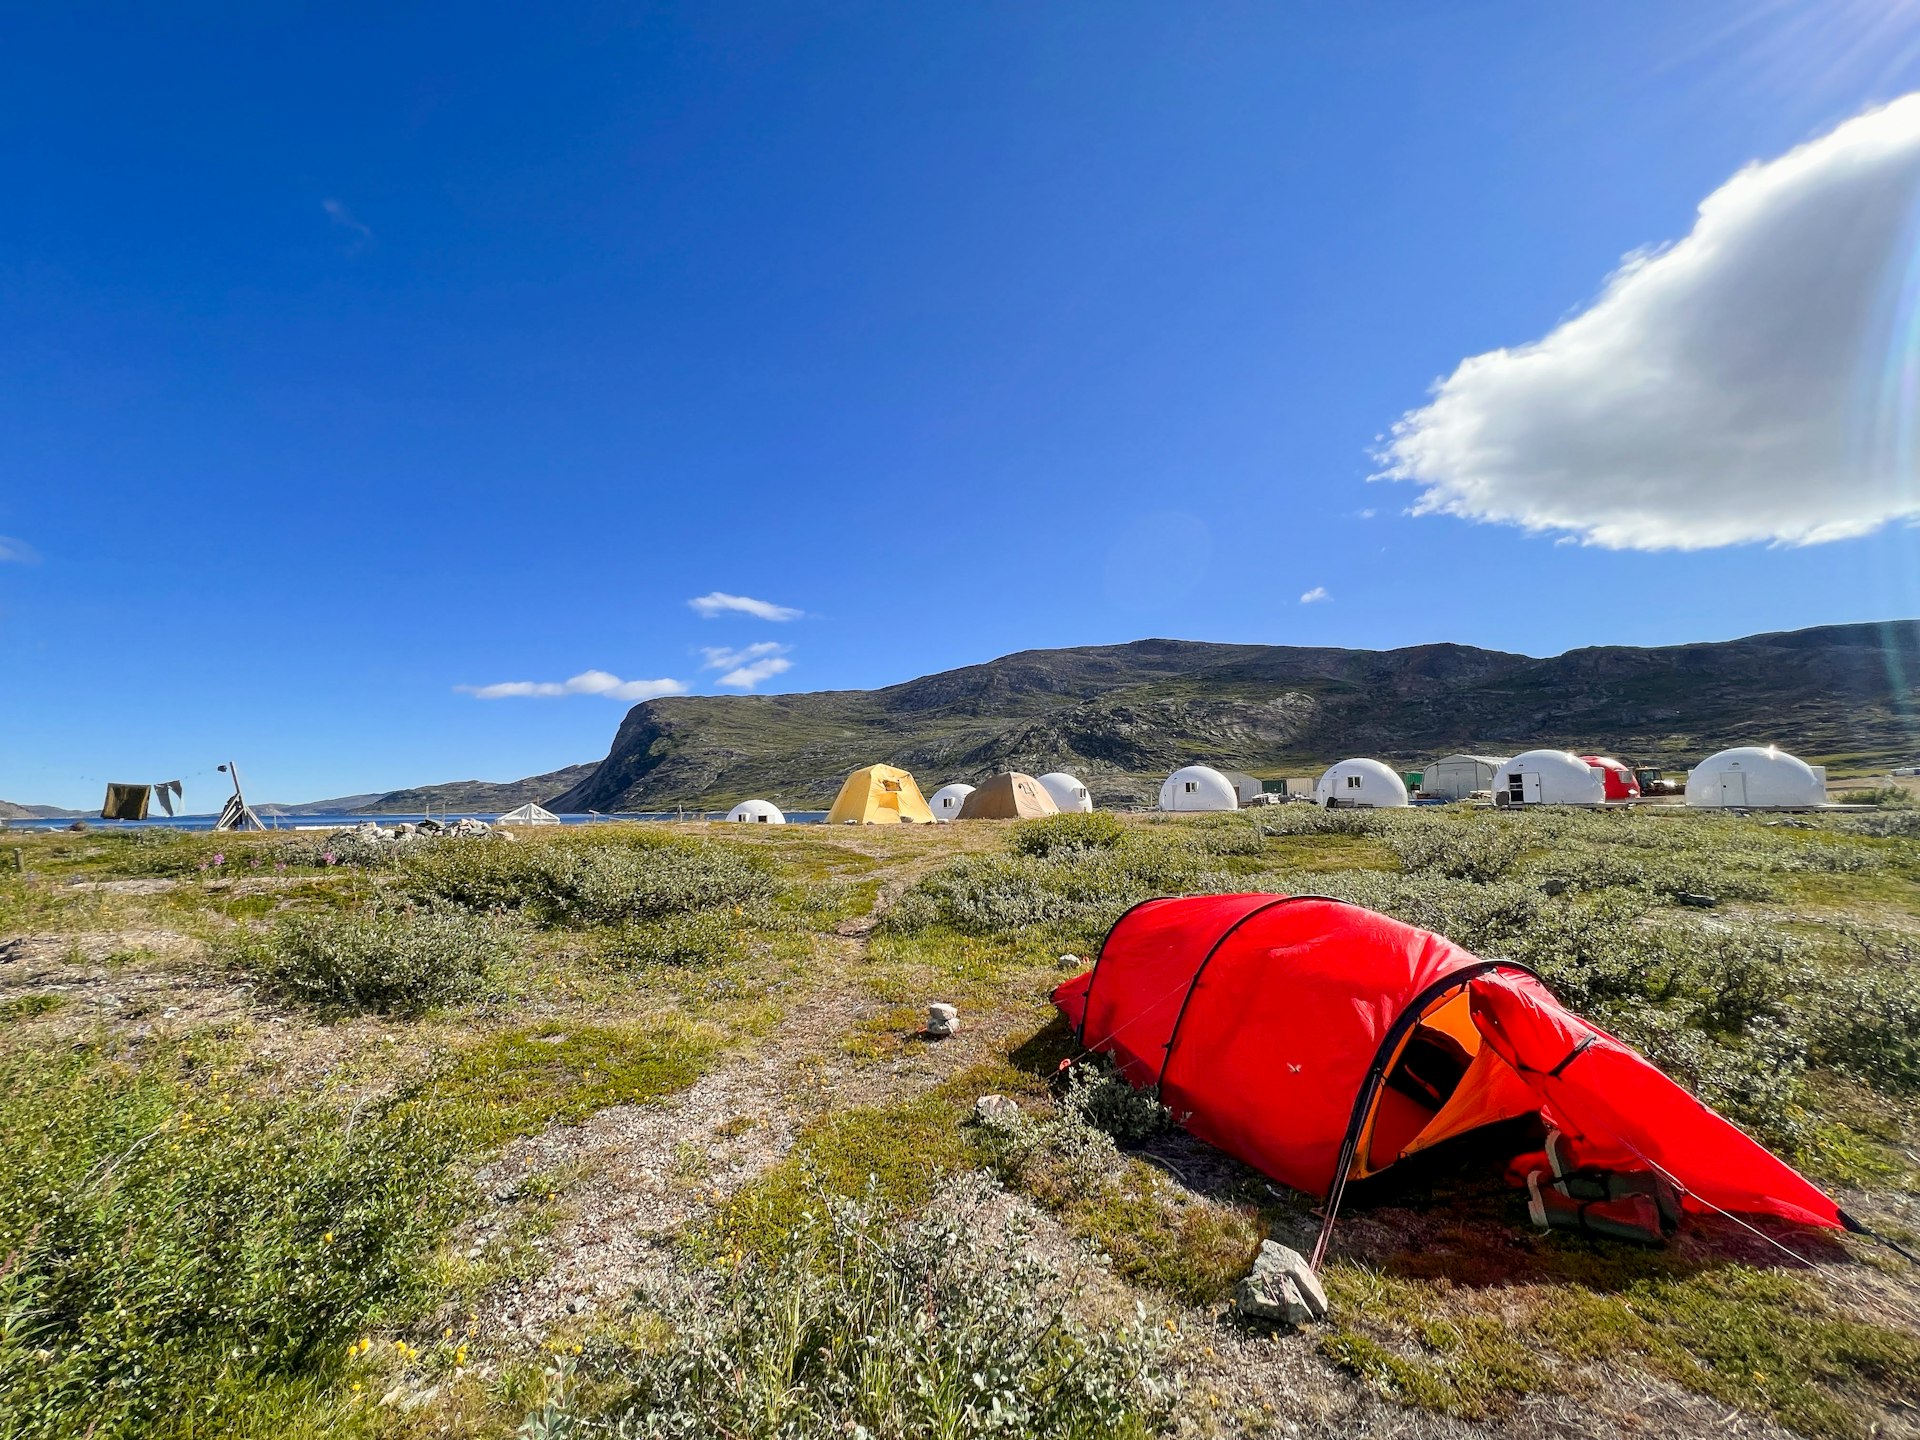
(757, 812)
(1069, 792)
(1360, 785)
(1198, 787)
(1548, 777)
(947, 802)
(1753, 777)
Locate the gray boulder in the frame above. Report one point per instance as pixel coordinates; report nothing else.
(1281, 1287)
(942, 1020)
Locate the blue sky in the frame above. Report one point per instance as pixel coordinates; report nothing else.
(356, 359)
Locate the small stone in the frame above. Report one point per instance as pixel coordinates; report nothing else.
(996, 1110)
(942, 1020)
(1282, 1287)
(1553, 887)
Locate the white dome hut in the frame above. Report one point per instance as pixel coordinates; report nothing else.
(757, 812)
(1069, 792)
(1360, 785)
(1750, 777)
(1548, 777)
(1198, 787)
(947, 800)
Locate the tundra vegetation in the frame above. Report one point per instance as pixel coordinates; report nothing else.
(630, 1130)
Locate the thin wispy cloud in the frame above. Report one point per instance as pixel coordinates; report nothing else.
(17, 552)
(587, 682)
(343, 219)
(1315, 595)
(1748, 383)
(747, 665)
(721, 603)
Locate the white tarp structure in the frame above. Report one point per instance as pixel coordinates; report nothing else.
(1246, 789)
(1069, 792)
(1455, 777)
(1548, 777)
(1360, 785)
(1750, 777)
(1198, 787)
(529, 814)
(757, 812)
(948, 799)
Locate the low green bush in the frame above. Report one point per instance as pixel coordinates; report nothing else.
(176, 1255)
(1042, 837)
(636, 877)
(386, 960)
(1085, 890)
(1478, 850)
(943, 1326)
(704, 937)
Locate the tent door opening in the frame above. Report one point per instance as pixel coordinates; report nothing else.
(1444, 1081)
(1733, 788)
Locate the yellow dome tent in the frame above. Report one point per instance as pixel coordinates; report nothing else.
(879, 795)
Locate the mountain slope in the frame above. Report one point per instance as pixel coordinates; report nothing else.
(1123, 715)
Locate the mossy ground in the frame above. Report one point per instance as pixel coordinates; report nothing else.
(1446, 1300)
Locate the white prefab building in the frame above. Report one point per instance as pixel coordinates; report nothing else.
(529, 814)
(1455, 777)
(1548, 777)
(1246, 789)
(1752, 778)
(1360, 785)
(757, 812)
(1198, 787)
(1069, 792)
(947, 800)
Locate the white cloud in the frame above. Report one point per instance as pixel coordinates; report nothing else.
(17, 552)
(1315, 595)
(343, 218)
(587, 682)
(719, 603)
(745, 677)
(748, 665)
(1747, 383)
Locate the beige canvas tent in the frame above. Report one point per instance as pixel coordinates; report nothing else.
(1009, 797)
(879, 795)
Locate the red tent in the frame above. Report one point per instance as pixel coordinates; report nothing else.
(1317, 1040)
(1621, 783)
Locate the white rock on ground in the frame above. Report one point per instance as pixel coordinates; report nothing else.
(942, 1020)
(1281, 1287)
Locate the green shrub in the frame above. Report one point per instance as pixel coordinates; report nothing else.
(1085, 889)
(636, 877)
(942, 1327)
(382, 960)
(1042, 837)
(704, 937)
(1476, 850)
(1862, 1014)
(176, 1254)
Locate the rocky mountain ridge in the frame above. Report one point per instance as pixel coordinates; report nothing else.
(1123, 715)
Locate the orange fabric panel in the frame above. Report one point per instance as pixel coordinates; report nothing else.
(1453, 1015)
(1488, 1093)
